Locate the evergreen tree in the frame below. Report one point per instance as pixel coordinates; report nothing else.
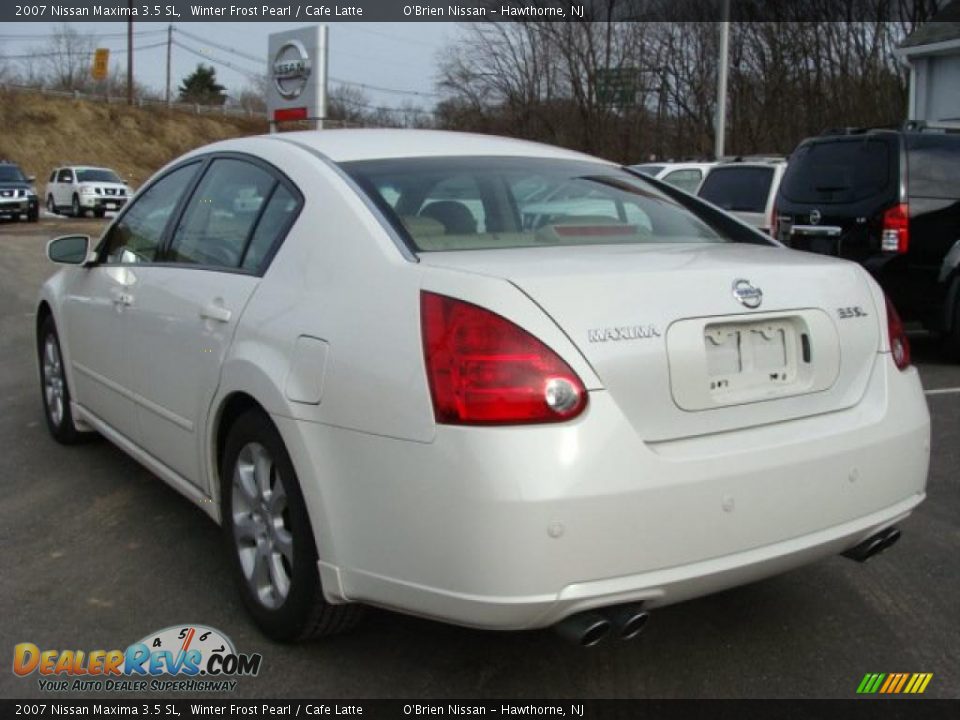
(201, 87)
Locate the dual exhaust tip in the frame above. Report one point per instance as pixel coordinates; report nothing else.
(873, 545)
(589, 628)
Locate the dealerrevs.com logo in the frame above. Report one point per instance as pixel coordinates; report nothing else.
(186, 658)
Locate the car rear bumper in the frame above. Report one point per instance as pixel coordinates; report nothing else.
(512, 528)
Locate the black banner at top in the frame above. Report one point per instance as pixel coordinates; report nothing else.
(260, 11)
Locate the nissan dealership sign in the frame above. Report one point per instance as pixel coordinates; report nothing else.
(297, 65)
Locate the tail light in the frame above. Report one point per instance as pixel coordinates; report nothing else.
(899, 345)
(895, 236)
(484, 370)
(774, 222)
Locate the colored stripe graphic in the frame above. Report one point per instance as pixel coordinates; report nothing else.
(894, 683)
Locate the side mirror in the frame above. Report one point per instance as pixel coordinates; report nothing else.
(31, 179)
(70, 250)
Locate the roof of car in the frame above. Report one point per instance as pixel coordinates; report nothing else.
(371, 144)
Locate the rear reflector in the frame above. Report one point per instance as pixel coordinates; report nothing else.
(895, 236)
(899, 345)
(484, 370)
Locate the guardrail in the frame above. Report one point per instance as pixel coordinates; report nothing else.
(194, 108)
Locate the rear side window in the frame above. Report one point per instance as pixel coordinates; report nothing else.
(279, 212)
(738, 189)
(934, 166)
(841, 171)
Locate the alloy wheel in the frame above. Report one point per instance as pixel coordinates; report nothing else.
(53, 382)
(261, 529)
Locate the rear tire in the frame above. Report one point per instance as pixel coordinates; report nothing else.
(268, 536)
(53, 386)
(51, 205)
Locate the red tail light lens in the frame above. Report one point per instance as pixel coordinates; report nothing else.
(899, 345)
(484, 370)
(895, 236)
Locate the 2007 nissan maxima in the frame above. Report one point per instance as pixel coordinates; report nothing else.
(481, 380)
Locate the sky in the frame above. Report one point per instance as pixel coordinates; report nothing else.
(394, 56)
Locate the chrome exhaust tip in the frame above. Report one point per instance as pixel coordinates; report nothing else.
(628, 620)
(585, 629)
(873, 545)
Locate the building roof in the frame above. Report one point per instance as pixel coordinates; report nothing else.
(943, 27)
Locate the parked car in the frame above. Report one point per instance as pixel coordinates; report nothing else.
(17, 195)
(390, 396)
(687, 176)
(746, 188)
(79, 188)
(889, 199)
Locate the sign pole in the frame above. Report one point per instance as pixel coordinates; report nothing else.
(323, 54)
(722, 67)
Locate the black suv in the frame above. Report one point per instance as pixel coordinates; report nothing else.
(17, 196)
(889, 199)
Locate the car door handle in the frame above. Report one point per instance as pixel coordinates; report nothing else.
(216, 312)
(122, 298)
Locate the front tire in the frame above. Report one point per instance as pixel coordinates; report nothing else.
(269, 538)
(53, 384)
(75, 207)
(34, 215)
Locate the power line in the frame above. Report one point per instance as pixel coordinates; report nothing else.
(243, 71)
(398, 38)
(225, 48)
(377, 88)
(96, 36)
(79, 53)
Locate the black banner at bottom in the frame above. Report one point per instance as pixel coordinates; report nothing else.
(854, 709)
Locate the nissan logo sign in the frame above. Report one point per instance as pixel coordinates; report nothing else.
(748, 295)
(291, 68)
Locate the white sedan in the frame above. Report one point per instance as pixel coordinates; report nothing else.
(351, 351)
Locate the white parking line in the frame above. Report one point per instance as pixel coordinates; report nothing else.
(942, 391)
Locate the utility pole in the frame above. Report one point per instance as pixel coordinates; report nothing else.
(169, 45)
(722, 67)
(130, 55)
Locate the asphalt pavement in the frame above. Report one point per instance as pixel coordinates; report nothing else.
(95, 553)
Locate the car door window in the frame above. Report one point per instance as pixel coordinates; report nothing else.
(277, 215)
(136, 236)
(65, 176)
(221, 215)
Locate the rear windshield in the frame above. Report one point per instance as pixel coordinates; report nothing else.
(838, 171)
(738, 189)
(476, 203)
(97, 175)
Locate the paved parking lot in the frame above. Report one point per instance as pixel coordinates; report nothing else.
(96, 553)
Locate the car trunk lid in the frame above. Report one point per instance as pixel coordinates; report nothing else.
(676, 334)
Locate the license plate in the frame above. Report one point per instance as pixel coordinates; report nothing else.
(111, 206)
(752, 355)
